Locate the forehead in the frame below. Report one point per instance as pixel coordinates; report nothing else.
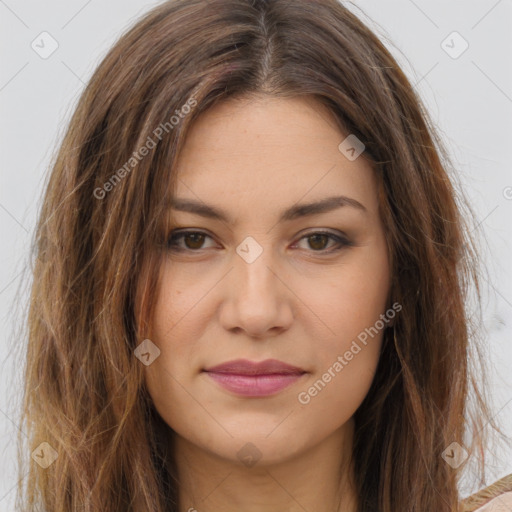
(267, 153)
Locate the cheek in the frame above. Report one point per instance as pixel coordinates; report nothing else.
(168, 378)
(345, 369)
(350, 300)
(348, 341)
(331, 398)
(174, 333)
(176, 321)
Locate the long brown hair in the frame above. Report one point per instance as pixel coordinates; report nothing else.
(98, 247)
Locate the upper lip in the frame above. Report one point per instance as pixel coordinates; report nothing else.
(246, 367)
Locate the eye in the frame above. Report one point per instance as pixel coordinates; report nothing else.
(317, 241)
(193, 240)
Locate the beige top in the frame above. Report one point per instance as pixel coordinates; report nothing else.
(502, 503)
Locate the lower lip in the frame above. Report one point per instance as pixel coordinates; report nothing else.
(255, 385)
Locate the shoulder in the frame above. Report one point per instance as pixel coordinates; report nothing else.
(502, 503)
(495, 498)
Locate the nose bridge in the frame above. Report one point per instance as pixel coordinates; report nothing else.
(255, 300)
(252, 264)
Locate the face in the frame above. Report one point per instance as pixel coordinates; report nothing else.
(252, 275)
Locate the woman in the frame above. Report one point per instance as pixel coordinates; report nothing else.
(250, 279)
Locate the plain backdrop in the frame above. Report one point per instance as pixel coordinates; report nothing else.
(464, 78)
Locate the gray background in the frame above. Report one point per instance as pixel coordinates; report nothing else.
(469, 97)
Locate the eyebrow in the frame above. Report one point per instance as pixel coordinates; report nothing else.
(294, 212)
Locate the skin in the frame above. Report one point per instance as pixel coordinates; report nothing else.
(299, 302)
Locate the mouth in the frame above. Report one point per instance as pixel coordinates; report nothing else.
(247, 378)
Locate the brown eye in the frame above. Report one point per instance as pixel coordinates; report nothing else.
(193, 240)
(318, 242)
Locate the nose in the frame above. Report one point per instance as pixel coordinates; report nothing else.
(257, 299)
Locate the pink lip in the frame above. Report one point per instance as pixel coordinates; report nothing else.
(248, 378)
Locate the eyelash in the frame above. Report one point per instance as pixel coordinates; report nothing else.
(177, 235)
